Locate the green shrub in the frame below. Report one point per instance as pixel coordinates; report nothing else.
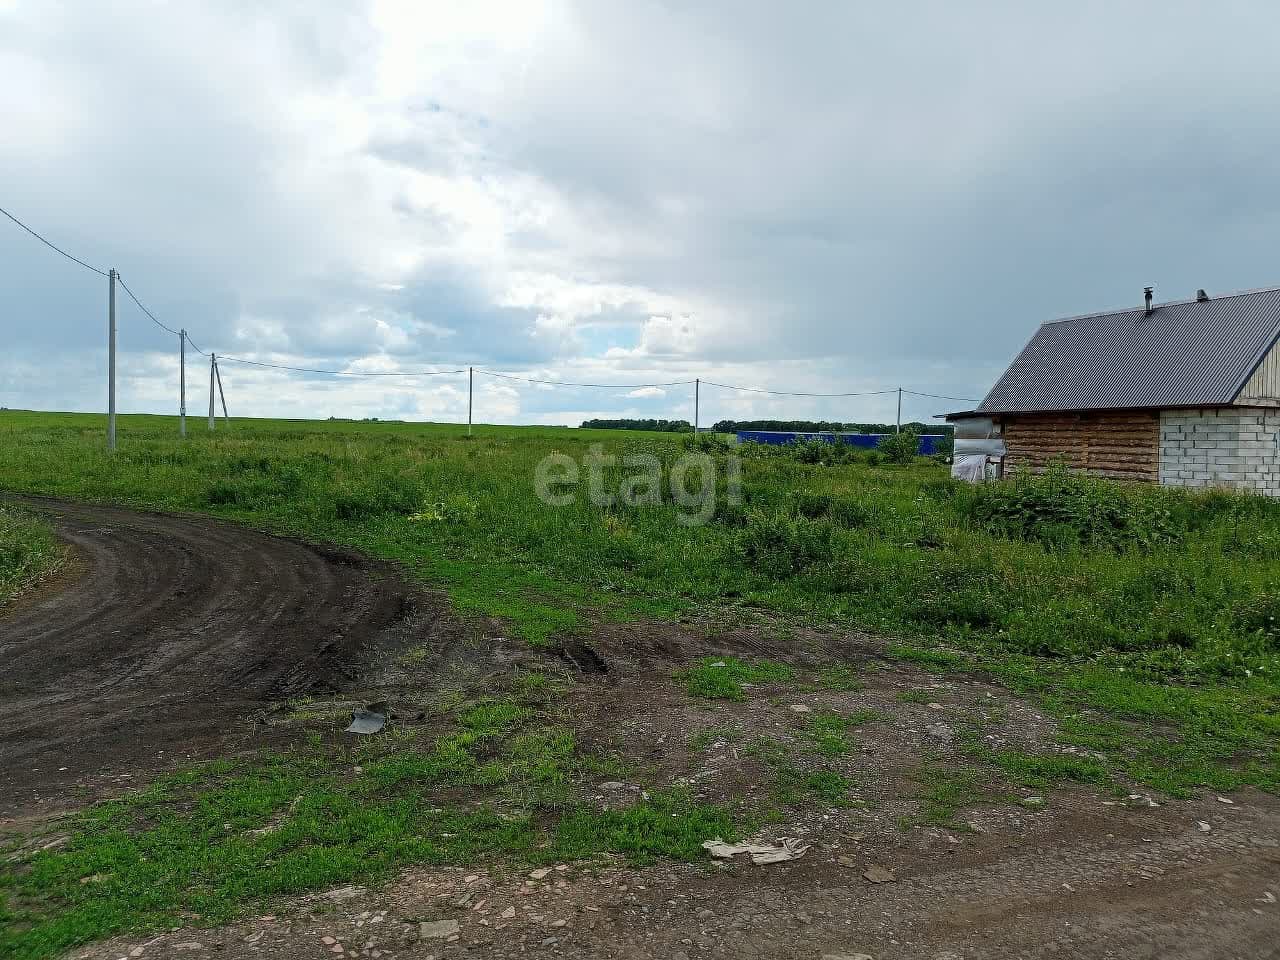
(842, 511)
(778, 546)
(1060, 509)
(900, 447)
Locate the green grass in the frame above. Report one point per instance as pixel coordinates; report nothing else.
(828, 730)
(721, 678)
(206, 845)
(948, 791)
(27, 551)
(1153, 607)
(1146, 622)
(840, 677)
(913, 696)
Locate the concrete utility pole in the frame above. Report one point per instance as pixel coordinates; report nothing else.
(899, 428)
(111, 359)
(697, 394)
(226, 417)
(182, 383)
(213, 372)
(471, 385)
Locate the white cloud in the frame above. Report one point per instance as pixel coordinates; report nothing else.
(616, 192)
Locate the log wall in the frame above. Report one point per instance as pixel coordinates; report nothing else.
(1123, 445)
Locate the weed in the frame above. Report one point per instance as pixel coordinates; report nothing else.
(721, 678)
(826, 730)
(840, 677)
(946, 793)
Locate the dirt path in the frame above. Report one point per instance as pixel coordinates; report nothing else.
(165, 634)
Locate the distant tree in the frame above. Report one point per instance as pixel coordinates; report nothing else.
(824, 426)
(659, 426)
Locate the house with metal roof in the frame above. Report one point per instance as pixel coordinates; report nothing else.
(1185, 394)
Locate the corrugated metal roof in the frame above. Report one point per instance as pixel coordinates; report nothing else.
(1185, 354)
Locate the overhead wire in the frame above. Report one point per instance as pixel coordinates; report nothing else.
(491, 373)
(795, 393)
(938, 396)
(150, 315)
(342, 373)
(51, 245)
(571, 383)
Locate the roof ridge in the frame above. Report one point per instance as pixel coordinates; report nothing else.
(1168, 303)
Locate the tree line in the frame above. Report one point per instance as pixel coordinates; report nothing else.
(660, 426)
(827, 426)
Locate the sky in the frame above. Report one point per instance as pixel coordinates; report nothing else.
(808, 197)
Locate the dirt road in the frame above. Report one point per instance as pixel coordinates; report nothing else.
(167, 633)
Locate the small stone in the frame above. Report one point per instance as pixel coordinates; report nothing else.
(508, 913)
(559, 923)
(799, 708)
(437, 929)
(1204, 826)
(613, 785)
(539, 874)
(878, 874)
(136, 952)
(328, 941)
(935, 706)
(1032, 801)
(705, 914)
(941, 731)
(1226, 801)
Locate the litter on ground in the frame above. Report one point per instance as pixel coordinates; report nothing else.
(787, 848)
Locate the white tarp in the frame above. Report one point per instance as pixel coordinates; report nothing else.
(971, 468)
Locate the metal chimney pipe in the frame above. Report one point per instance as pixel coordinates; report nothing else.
(1146, 294)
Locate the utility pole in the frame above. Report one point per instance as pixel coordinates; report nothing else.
(697, 396)
(213, 372)
(471, 386)
(111, 359)
(182, 383)
(226, 417)
(899, 428)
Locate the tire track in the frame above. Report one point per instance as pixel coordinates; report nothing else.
(174, 629)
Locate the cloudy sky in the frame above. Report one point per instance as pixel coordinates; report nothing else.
(814, 197)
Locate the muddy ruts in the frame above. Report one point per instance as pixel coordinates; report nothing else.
(164, 634)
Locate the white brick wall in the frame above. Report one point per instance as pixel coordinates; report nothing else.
(1236, 447)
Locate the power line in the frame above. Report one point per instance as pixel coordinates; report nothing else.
(52, 246)
(194, 347)
(492, 373)
(569, 383)
(938, 396)
(794, 393)
(151, 315)
(338, 373)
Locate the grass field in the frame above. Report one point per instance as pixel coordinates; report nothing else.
(1151, 605)
(1143, 621)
